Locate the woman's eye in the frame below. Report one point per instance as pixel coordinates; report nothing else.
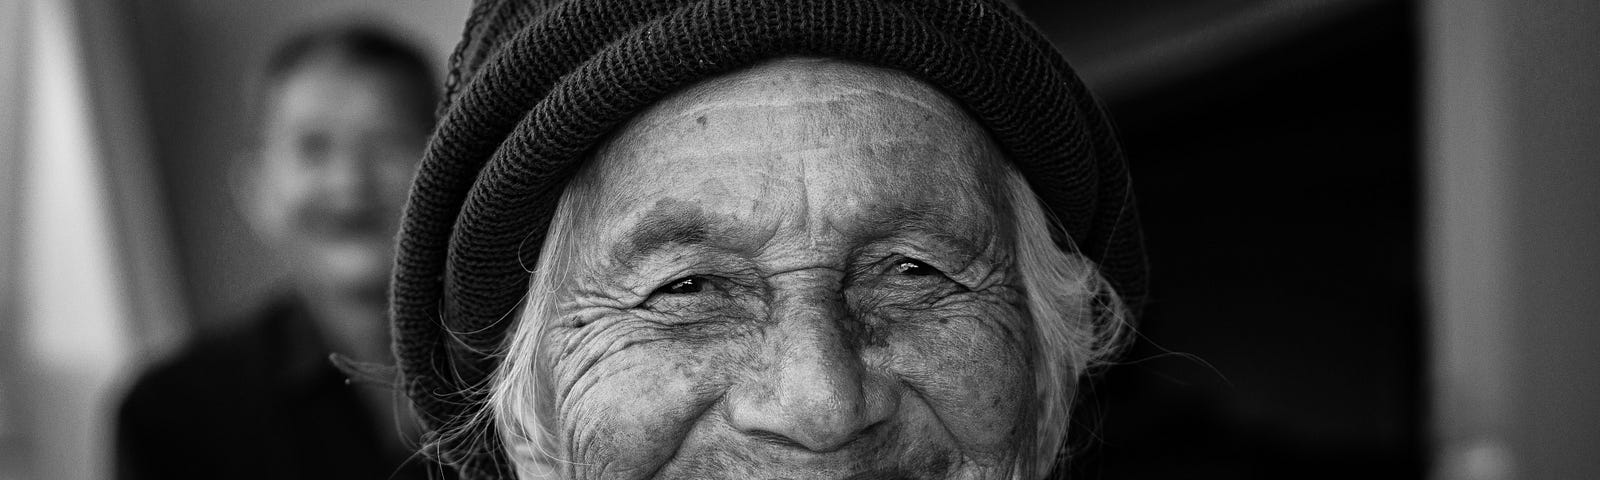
(908, 266)
(691, 284)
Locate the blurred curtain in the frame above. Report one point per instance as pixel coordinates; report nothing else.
(13, 33)
(1513, 223)
(88, 271)
(139, 216)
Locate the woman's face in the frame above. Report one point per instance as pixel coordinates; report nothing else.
(798, 271)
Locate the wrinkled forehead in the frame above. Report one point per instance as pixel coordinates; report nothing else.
(844, 138)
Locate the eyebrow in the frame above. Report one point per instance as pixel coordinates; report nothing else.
(668, 223)
(672, 222)
(922, 219)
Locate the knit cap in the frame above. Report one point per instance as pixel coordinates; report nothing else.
(536, 85)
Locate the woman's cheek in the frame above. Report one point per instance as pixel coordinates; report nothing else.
(972, 371)
(626, 415)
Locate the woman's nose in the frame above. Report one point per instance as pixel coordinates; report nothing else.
(816, 392)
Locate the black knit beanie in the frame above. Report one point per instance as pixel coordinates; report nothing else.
(537, 84)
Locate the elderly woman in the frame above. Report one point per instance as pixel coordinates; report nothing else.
(760, 239)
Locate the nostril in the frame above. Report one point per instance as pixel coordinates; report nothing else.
(821, 444)
(773, 438)
(814, 429)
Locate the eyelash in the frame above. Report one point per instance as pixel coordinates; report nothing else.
(684, 286)
(914, 267)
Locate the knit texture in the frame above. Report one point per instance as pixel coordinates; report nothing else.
(536, 85)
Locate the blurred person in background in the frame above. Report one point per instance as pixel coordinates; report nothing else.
(343, 116)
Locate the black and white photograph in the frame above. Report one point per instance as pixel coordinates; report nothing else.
(799, 239)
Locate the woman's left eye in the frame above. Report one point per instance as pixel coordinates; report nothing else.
(690, 284)
(907, 266)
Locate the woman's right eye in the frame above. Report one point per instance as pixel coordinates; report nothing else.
(685, 285)
(908, 266)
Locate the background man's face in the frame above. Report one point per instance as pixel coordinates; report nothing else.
(340, 145)
(800, 271)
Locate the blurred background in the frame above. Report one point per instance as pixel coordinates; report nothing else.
(1372, 224)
